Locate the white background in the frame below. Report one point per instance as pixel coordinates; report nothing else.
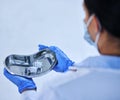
(26, 23)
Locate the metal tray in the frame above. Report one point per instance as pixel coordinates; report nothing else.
(33, 65)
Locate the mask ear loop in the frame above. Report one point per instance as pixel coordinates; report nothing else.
(89, 20)
(98, 33)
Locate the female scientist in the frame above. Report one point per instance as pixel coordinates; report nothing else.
(101, 74)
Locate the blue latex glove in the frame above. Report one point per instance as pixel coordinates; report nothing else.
(21, 82)
(63, 61)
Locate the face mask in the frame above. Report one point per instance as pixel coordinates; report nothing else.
(87, 36)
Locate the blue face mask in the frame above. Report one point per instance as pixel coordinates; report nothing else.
(87, 36)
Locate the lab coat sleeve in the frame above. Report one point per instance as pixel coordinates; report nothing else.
(43, 94)
(29, 95)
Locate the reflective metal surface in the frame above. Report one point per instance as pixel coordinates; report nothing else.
(31, 65)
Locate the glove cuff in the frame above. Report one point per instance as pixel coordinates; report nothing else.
(27, 86)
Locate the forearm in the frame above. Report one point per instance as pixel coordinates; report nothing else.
(29, 95)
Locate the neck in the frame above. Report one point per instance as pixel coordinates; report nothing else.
(109, 45)
(110, 51)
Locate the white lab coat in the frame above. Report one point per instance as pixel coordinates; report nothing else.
(87, 83)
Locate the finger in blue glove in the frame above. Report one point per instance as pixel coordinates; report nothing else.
(21, 82)
(41, 47)
(63, 60)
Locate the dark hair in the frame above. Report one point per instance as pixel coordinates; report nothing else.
(108, 13)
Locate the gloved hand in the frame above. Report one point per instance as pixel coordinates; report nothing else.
(21, 82)
(63, 61)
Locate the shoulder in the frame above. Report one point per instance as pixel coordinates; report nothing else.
(97, 62)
